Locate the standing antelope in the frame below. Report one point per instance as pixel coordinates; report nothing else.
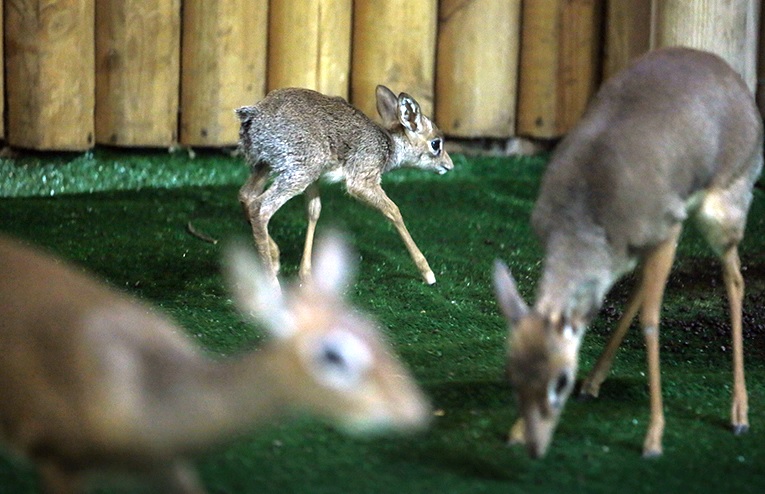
(676, 134)
(95, 381)
(299, 136)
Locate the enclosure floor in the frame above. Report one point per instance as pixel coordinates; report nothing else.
(450, 334)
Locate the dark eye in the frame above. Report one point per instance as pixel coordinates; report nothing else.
(435, 146)
(331, 356)
(556, 390)
(341, 360)
(561, 384)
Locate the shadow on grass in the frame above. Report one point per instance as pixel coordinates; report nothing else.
(467, 409)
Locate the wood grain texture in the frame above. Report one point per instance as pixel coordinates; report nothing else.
(223, 67)
(137, 72)
(309, 45)
(726, 27)
(580, 67)
(627, 33)
(559, 69)
(49, 65)
(477, 67)
(2, 82)
(539, 58)
(394, 43)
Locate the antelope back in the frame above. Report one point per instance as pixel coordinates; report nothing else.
(672, 125)
(295, 126)
(68, 344)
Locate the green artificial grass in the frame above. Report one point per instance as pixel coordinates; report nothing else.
(132, 230)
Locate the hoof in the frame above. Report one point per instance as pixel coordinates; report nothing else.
(652, 453)
(514, 441)
(740, 429)
(587, 390)
(585, 396)
(305, 278)
(516, 435)
(430, 278)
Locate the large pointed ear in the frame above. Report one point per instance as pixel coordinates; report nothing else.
(256, 295)
(509, 300)
(334, 267)
(409, 113)
(387, 106)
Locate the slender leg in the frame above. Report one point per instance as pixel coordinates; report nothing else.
(249, 193)
(598, 374)
(723, 228)
(734, 284)
(260, 210)
(252, 188)
(313, 210)
(655, 273)
(375, 197)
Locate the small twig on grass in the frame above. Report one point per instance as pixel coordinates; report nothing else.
(201, 236)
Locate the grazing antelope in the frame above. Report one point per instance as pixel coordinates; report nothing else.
(94, 381)
(298, 136)
(675, 135)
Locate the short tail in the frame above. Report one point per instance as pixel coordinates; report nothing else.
(245, 113)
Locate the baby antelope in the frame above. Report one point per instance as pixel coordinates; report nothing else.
(298, 136)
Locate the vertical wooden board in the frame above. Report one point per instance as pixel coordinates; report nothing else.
(223, 67)
(539, 55)
(559, 68)
(137, 72)
(49, 65)
(2, 81)
(394, 43)
(477, 67)
(580, 63)
(725, 27)
(627, 31)
(309, 45)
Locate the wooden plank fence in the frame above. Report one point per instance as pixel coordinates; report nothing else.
(394, 43)
(50, 71)
(161, 73)
(477, 70)
(223, 66)
(558, 67)
(137, 72)
(318, 55)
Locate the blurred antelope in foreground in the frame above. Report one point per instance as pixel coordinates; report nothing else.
(299, 136)
(94, 381)
(674, 135)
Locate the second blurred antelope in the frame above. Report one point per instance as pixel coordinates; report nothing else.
(94, 381)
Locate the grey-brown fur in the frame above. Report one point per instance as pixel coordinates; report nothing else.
(623, 177)
(96, 382)
(293, 127)
(297, 136)
(675, 135)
